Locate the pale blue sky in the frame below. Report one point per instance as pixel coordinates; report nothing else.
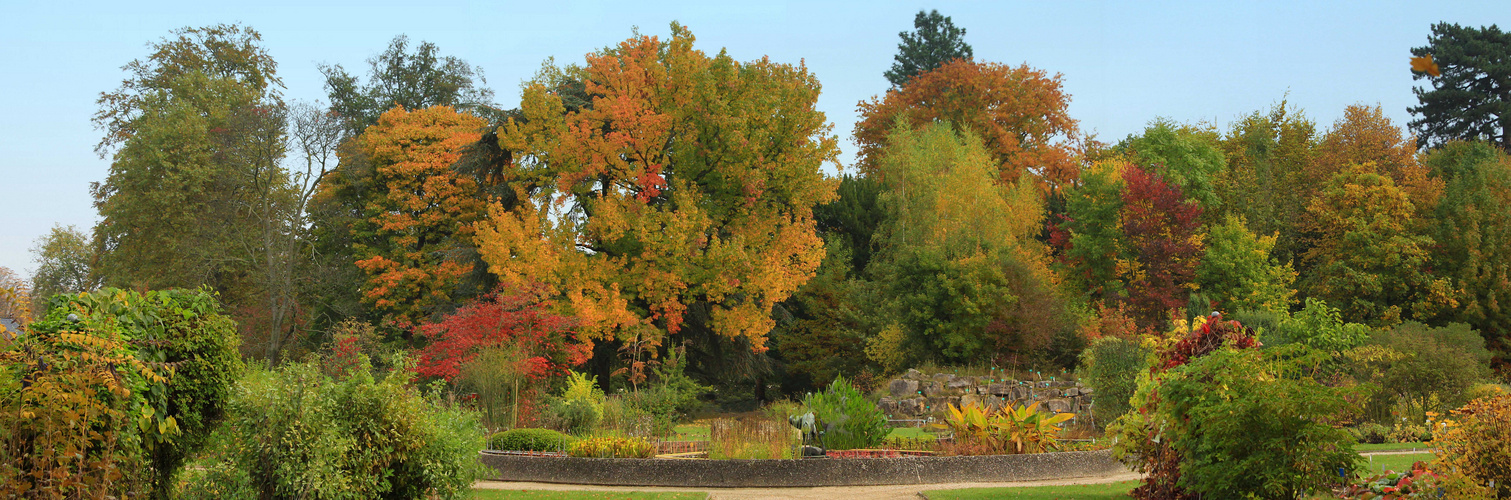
(1124, 63)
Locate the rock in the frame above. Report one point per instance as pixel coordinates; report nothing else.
(887, 406)
(931, 388)
(1087, 391)
(903, 388)
(1072, 392)
(1056, 405)
(813, 451)
(1021, 392)
(910, 407)
(999, 390)
(961, 382)
(970, 399)
(1085, 399)
(913, 374)
(943, 378)
(993, 403)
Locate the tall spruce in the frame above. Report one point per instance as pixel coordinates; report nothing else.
(935, 41)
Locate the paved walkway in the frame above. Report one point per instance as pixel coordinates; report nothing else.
(888, 492)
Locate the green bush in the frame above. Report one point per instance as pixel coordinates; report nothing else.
(1111, 367)
(529, 440)
(1439, 368)
(296, 432)
(670, 400)
(579, 409)
(845, 418)
(1370, 432)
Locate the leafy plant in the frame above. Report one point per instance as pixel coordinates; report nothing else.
(579, 409)
(529, 439)
(845, 418)
(1111, 367)
(1419, 482)
(1477, 442)
(612, 447)
(1006, 431)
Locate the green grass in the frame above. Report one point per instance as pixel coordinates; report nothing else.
(1078, 492)
(690, 432)
(1399, 463)
(1362, 447)
(584, 495)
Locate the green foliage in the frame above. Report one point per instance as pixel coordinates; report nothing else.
(297, 432)
(528, 439)
(1007, 431)
(934, 41)
(671, 399)
(1477, 443)
(1110, 367)
(1473, 231)
(612, 447)
(1468, 102)
(1091, 231)
(1184, 156)
(579, 408)
(181, 335)
(1439, 364)
(1245, 423)
(1239, 273)
(854, 217)
(1266, 155)
(845, 418)
(498, 377)
(414, 79)
(1316, 326)
(65, 260)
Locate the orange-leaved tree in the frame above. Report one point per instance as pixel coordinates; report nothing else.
(1365, 135)
(421, 212)
(680, 192)
(1022, 114)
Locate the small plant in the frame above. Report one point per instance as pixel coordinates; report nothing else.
(580, 407)
(1419, 482)
(845, 418)
(751, 439)
(1008, 431)
(612, 447)
(529, 440)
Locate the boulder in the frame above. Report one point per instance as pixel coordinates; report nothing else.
(943, 378)
(931, 388)
(970, 399)
(1072, 392)
(1057, 405)
(913, 374)
(993, 403)
(999, 390)
(961, 382)
(902, 388)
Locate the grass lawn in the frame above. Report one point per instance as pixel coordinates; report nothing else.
(1398, 463)
(1082, 491)
(1362, 447)
(690, 432)
(584, 495)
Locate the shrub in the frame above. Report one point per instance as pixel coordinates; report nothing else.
(1370, 432)
(1111, 367)
(1440, 364)
(579, 409)
(1409, 433)
(1419, 482)
(529, 440)
(298, 432)
(671, 399)
(845, 418)
(1477, 442)
(612, 447)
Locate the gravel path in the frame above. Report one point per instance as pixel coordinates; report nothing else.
(889, 492)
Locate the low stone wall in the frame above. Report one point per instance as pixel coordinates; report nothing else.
(917, 394)
(802, 472)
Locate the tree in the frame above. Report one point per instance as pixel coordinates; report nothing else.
(681, 200)
(65, 263)
(1087, 237)
(174, 206)
(517, 320)
(854, 217)
(15, 298)
(1266, 156)
(1366, 135)
(934, 41)
(412, 80)
(965, 288)
(419, 211)
(1162, 245)
(1368, 260)
(1185, 156)
(1473, 235)
(1471, 100)
(1239, 272)
(1020, 113)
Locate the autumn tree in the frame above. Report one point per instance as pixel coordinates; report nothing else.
(1471, 100)
(1473, 235)
(418, 213)
(1239, 273)
(1162, 244)
(934, 41)
(1266, 154)
(15, 298)
(515, 319)
(1368, 259)
(681, 199)
(173, 206)
(958, 264)
(1183, 155)
(1366, 135)
(1020, 113)
(1087, 237)
(65, 264)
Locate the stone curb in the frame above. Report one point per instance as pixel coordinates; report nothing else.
(802, 473)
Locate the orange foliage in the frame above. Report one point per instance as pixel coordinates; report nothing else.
(420, 210)
(1020, 113)
(1366, 135)
(689, 181)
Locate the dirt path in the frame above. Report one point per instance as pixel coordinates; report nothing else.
(889, 492)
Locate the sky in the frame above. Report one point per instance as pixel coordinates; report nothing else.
(1123, 63)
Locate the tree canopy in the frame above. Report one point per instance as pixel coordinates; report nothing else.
(934, 41)
(1471, 99)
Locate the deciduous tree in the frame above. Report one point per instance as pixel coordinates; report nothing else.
(1238, 271)
(65, 263)
(1020, 113)
(1266, 155)
(1473, 235)
(682, 198)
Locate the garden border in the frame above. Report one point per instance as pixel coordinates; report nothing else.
(802, 472)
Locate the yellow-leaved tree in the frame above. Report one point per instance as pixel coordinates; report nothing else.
(666, 190)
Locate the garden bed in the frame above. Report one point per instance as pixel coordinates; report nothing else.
(802, 472)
